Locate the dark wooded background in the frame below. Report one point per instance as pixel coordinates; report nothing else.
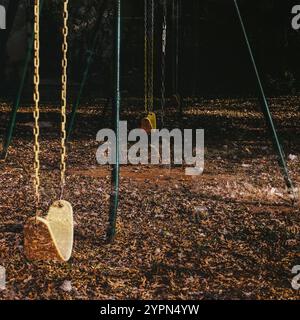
(213, 56)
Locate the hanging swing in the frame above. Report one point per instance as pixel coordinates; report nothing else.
(51, 237)
(148, 123)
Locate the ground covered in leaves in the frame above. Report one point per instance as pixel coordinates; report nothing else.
(231, 233)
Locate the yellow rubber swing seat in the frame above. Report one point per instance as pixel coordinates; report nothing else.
(149, 122)
(50, 238)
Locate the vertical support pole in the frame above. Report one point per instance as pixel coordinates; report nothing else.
(114, 200)
(266, 109)
(12, 120)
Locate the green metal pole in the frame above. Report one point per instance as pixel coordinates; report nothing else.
(266, 109)
(89, 61)
(12, 121)
(114, 200)
(12, 11)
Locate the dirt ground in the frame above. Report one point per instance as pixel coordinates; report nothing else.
(231, 233)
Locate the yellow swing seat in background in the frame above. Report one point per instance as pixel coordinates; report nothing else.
(50, 238)
(148, 123)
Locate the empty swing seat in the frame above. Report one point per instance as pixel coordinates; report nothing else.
(50, 238)
(149, 122)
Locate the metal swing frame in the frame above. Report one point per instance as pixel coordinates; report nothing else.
(16, 104)
(115, 177)
(266, 109)
(114, 200)
(89, 62)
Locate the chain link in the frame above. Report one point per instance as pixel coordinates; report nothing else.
(36, 98)
(149, 54)
(163, 60)
(151, 58)
(146, 54)
(64, 96)
(176, 31)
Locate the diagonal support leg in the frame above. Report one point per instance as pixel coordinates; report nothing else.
(89, 62)
(13, 115)
(266, 110)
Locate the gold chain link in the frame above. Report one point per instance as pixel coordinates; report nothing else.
(146, 55)
(36, 97)
(151, 80)
(64, 96)
(149, 55)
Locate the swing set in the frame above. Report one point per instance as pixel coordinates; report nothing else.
(50, 236)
